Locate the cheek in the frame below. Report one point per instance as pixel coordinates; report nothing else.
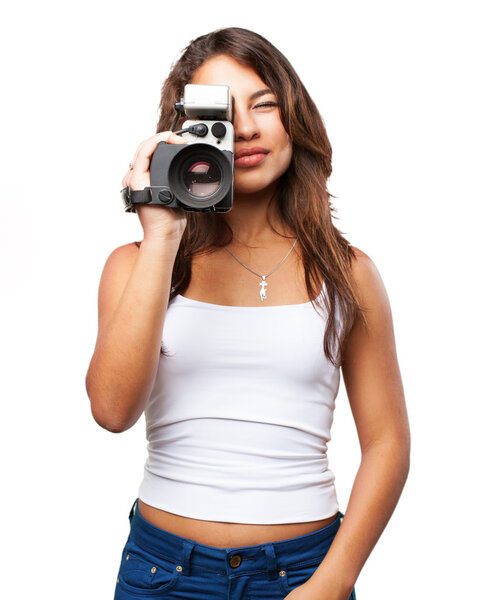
(285, 152)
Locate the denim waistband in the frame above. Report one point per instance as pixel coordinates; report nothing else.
(267, 558)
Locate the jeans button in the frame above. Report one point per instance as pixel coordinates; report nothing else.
(235, 561)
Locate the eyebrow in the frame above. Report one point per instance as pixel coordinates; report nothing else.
(260, 93)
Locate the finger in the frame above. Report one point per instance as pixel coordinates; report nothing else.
(146, 150)
(126, 179)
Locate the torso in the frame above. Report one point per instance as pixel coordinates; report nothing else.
(226, 535)
(218, 278)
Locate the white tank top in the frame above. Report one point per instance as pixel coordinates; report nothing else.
(240, 415)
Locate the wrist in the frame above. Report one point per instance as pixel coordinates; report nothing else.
(161, 243)
(336, 586)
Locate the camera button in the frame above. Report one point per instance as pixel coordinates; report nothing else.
(165, 196)
(218, 130)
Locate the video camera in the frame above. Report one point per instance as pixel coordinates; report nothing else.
(198, 176)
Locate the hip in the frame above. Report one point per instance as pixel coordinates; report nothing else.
(156, 563)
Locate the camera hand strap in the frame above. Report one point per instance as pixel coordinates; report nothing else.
(132, 197)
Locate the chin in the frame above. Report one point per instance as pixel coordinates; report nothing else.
(250, 185)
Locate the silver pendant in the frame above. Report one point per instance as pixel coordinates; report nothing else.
(263, 284)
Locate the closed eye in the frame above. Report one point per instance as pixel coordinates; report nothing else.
(266, 104)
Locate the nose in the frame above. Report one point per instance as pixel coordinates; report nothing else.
(245, 125)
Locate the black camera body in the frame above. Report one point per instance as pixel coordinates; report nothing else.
(197, 176)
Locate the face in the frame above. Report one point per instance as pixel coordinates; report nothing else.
(257, 124)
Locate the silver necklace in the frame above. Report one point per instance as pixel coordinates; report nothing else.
(262, 283)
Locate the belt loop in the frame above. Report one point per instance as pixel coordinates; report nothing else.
(185, 559)
(133, 510)
(271, 561)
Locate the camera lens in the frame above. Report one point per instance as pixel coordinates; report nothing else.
(200, 175)
(202, 178)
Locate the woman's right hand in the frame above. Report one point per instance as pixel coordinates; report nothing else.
(158, 222)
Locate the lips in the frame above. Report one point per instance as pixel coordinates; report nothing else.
(250, 157)
(250, 151)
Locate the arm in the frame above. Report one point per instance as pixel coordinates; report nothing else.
(375, 392)
(132, 303)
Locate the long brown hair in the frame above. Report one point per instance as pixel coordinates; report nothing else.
(303, 199)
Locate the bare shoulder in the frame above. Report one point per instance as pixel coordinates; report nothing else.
(362, 264)
(370, 365)
(130, 248)
(370, 286)
(119, 261)
(114, 277)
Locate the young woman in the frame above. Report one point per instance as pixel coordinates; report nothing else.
(238, 380)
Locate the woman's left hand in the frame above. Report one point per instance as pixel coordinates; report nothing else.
(309, 591)
(302, 592)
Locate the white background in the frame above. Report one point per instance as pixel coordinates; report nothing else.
(396, 84)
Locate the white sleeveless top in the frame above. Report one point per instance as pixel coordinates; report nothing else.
(240, 415)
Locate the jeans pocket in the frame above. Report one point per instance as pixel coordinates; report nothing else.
(295, 575)
(145, 574)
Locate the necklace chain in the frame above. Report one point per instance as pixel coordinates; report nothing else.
(262, 283)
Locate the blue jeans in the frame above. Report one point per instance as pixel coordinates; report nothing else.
(158, 564)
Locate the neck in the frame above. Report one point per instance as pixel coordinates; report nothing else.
(249, 223)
